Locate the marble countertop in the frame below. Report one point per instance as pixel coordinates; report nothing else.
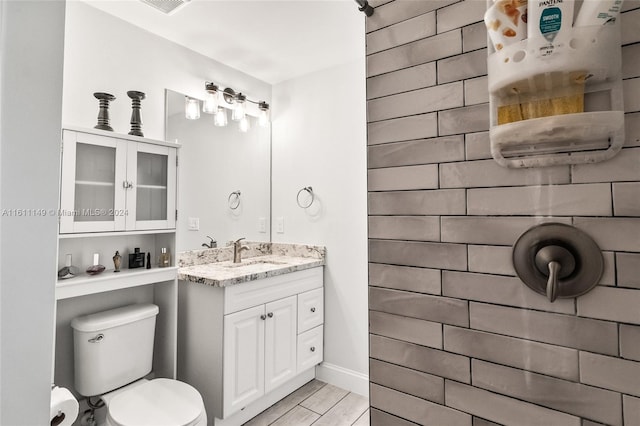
(214, 267)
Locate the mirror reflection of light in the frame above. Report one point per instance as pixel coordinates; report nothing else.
(220, 119)
(191, 108)
(263, 115)
(239, 109)
(244, 124)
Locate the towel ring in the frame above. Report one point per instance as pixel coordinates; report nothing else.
(309, 190)
(234, 200)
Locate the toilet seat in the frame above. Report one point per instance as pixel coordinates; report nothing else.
(158, 402)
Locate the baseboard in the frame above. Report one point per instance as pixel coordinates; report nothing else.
(343, 378)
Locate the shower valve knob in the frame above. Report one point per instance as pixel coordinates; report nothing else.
(555, 262)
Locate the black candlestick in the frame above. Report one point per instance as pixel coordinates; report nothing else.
(136, 121)
(103, 113)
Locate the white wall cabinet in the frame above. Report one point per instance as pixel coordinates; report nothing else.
(239, 344)
(96, 169)
(116, 183)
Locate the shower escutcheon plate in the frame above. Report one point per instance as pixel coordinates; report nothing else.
(557, 260)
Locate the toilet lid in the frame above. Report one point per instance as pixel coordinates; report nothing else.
(159, 402)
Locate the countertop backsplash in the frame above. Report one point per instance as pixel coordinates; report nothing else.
(204, 256)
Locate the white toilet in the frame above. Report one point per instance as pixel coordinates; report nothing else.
(113, 352)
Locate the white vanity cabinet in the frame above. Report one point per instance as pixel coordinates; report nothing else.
(113, 182)
(259, 351)
(240, 344)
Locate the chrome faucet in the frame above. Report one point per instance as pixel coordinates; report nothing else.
(237, 250)
(212, 244)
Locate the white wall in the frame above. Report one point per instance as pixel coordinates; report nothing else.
(31, 44)
(106, 54)
(319, 140)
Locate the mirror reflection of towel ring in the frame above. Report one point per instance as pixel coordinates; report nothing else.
(234, 200)
(308, 190)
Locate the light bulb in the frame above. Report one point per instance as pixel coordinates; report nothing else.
(191, 108)
(244, 124)
(263, 114)
(239, 109)
(210, 104)
(220, 119)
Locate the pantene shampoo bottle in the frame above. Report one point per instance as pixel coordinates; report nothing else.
(551, 20)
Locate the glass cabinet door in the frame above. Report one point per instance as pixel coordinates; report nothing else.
(91, 197)
(151, 202)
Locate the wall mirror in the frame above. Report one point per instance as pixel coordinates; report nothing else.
(224, 178)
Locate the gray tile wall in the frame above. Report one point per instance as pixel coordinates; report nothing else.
(455, 337)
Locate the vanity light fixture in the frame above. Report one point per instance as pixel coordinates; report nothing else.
(217, 102)
(211, 99)
(191, 108)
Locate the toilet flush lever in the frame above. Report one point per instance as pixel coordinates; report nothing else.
(97, 339)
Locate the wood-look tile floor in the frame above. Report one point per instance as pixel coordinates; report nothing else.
(319, 404)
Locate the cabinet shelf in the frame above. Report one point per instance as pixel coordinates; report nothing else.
(162, 187)
(115, 233)
(109, 280)
(93, 183)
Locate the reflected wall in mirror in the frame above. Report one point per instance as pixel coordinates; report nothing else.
(214, 162)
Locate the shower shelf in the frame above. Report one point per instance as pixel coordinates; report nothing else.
(563, 108)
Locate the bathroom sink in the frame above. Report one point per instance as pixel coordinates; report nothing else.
(253, 262)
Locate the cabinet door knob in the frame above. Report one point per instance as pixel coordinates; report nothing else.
(313, 309)
(263, 317)
(312, 349)
(125, 184)
(270, 314)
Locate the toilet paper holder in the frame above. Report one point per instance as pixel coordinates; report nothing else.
(557, 260)
(64, 407)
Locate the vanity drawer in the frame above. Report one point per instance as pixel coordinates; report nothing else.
(310, 347)
(253, 293)
(310, 309)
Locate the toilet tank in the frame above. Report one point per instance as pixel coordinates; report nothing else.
(113, 348)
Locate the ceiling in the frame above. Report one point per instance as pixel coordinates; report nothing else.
(272, 40)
